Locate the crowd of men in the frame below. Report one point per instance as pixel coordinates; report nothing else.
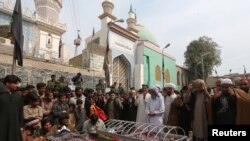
(37, 112)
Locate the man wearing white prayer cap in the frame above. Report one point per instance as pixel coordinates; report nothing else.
(226, 81)
(224, 104)
(158, 88)
(155, 107)
(170, 115)
(170, 85)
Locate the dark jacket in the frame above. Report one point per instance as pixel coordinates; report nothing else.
(117, 109)
(77, 80)
(129, 111)
(221, 114)
(11, 115)
(87, 105)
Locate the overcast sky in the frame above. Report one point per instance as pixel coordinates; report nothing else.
(177, 22)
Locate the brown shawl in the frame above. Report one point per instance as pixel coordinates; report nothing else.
(243, 107)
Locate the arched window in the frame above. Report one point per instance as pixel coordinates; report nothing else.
(182, 79)
(167, 76)
(158, 73)
(178, 78)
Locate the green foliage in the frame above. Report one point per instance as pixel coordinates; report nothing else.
(207, 48)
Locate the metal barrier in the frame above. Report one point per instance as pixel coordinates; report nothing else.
(134, 131)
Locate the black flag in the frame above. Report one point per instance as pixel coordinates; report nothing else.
(106, 64)
(60, 47)
(17, 32)
(93, 33)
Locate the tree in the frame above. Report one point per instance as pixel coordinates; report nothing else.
(204, 48)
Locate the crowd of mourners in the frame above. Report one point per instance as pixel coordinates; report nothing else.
(46, 109)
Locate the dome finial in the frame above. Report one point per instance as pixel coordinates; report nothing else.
(131, 21)
(131, 12)
(131, 9)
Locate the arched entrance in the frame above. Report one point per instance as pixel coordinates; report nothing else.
(121, 71)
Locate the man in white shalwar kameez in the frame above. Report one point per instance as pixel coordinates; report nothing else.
(155, 107)
(141, 103)
(168, 96)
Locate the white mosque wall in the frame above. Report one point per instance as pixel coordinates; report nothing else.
(103, 35)
(123, 46)
(104, 25)
(139, 52)
(43, 41)
(49, 45)
(64, 54)
(139, 66)
(139, 76)
(55, 43)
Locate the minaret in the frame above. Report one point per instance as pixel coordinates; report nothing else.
(107, 16)
(131, 21)
(48, 8)
(50, 29)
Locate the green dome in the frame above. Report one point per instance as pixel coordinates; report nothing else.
(145, 34)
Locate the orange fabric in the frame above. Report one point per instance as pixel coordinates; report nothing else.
(173, 113)
(92, 109)
(243, 107)
(98, 111)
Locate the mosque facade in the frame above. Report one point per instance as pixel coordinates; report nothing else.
(135, 56)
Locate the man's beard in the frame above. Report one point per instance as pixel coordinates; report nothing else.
(169, 93)
(225, 93)
(153, 96)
